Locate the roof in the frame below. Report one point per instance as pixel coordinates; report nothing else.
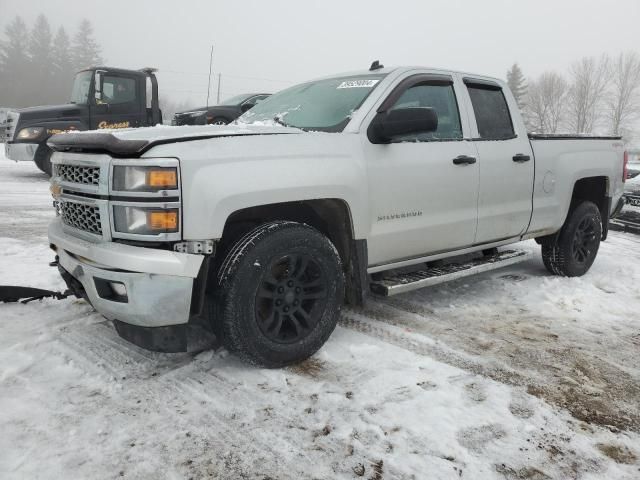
(116, 70)
(408, 68)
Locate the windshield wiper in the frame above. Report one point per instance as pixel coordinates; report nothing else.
(279, 121)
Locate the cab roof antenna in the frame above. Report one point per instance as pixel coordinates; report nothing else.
(375, 66)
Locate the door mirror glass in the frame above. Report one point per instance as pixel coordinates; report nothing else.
(403, 121)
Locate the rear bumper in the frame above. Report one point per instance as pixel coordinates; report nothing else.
(157, 284)
(20, 152)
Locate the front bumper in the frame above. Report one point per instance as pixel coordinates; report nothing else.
(158, 283)
(20, 152)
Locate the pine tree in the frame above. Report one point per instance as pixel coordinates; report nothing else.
(518, 85)
(13, 64)
(41, 63)
(63, 70)
(85, 50)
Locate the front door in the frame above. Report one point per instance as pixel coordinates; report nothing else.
(423, 188)
(506, 165)
(119, 101)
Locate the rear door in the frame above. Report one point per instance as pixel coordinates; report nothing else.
(505, 161)
(423, 188)
(119, 101)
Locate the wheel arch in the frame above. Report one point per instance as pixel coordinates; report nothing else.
(330, 216)
(593, 189)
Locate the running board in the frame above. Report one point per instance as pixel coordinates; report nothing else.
(405, 282)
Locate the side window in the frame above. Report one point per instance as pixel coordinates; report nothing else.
(442, 99)
(254, 100)
(491, 111)
(116, 90)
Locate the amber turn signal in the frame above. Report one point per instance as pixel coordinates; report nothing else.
(164, 220)
(165, 178)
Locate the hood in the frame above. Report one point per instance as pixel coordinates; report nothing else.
(136, 141)
(208, 109)
(50, 112)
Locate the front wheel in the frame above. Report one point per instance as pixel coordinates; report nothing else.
(42, 159)
(574, 250)
(219, 121)
(279, 294)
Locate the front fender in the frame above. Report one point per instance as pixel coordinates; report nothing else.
(287, 169)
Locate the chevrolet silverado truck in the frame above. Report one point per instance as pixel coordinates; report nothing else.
(381, 181)
(101, 98)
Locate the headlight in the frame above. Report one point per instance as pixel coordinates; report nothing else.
(30, 133)
(144, 179)
(145, 220)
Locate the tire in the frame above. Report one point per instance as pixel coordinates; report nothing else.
(42, 159)
(279, 294)
(574, 250)
(219, 121)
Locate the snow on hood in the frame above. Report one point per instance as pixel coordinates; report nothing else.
(166, 132)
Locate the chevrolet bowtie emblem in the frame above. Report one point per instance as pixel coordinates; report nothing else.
(56, 190)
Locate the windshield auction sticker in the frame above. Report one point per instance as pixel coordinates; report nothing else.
(358, 83)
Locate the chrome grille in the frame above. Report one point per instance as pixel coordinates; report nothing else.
(8, 127)
(81, 216)
(78, 174)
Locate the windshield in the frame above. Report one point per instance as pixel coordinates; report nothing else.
(81, 86)
(237, 100)
(324, 105)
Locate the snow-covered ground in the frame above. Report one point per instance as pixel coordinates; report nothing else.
(509, 375)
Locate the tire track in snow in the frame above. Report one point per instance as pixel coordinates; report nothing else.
(378, 325)
(185, 380)
(385, 321)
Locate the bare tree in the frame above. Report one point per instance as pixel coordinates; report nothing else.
(546, 102)
(623, 101)
(589, 78)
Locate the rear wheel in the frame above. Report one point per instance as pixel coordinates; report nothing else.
(280, 289)
(42, 159)
(574, 250)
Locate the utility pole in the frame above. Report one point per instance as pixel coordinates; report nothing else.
(209, 84)
(219, 76)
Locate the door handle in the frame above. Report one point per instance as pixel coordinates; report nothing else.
(521, 157)
(464, 160)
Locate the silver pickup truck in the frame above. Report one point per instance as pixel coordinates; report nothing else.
(320, 194)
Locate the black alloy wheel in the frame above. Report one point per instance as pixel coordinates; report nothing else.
(572, 251)
(278, 294)
(585, 239)
(291, 298)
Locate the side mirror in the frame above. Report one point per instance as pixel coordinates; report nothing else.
(402, 121)
(97, 86)
(247, 106)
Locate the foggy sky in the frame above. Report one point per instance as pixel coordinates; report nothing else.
(278, 43)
